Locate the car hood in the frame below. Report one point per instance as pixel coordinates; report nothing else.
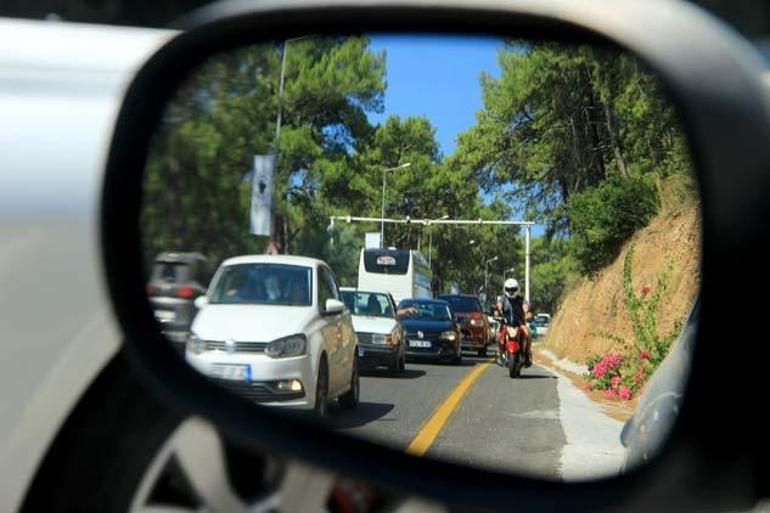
(366, 324)
(426, 325)
(253, 323)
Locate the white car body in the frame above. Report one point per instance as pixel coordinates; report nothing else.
(543, 330)
(61, 85)
(327, 334)
(372, 324)
(379, 325)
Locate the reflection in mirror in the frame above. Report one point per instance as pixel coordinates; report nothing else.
(472, 249)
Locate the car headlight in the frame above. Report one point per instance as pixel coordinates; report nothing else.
(449, 335)
(477, 322)
(293, 345)
(195, 344)
(390, 339)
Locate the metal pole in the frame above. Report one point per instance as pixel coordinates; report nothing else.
(430, 246)
(280, 93)
(382, 213)
(486, 296)
(526, 264)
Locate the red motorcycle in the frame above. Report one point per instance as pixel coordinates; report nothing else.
(510, 348)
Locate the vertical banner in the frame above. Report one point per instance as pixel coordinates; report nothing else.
(261, 218)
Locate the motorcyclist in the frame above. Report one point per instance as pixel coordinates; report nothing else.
(511, 306)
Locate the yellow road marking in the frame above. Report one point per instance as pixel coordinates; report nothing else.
(432, 427)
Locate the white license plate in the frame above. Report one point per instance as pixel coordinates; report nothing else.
(419, 343)
(165, 315)
(234, 372)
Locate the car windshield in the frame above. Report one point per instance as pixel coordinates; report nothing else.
(541, 319)
(272, 284)
(463, 304)
(369, 304)
(169, 271)
(428, 311)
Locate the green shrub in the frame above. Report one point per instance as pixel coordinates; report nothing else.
(603, 217)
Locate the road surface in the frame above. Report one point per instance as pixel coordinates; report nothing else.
(540, 424)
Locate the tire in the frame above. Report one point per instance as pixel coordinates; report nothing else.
(514, 369)
(398, 365)
(321, 407)
(99, 457)
(458, 359)
(483, 352)
(349, 400)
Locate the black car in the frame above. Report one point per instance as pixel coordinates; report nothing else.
(431, 330)
(177, 279)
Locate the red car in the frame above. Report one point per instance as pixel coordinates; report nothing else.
(474, 325)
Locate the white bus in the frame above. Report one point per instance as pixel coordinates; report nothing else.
(404, 273)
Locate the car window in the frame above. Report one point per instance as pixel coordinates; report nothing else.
(327, 287)
(263, 284)
(427, 310)
(463, 304)
(370, 304)
(169, 271)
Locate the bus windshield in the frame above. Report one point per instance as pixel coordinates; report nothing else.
(386, 261)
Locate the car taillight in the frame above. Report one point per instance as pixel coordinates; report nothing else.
(185, 292)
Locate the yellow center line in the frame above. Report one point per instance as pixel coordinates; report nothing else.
(432, 427)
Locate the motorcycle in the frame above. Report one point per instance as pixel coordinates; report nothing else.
(511, 348)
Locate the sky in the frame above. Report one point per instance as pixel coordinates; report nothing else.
(437, 76)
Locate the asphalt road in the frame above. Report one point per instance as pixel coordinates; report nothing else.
(499, 423)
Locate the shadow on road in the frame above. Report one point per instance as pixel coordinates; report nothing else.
(524, 375)
(385, 373)
(364, 414)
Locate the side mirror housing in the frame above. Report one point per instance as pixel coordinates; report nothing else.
(334, 306)
(201, 301)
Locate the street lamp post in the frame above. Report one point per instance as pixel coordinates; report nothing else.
(486, 279)
(278, 121)
(382, 215)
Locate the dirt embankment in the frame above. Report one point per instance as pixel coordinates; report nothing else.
(598, 304)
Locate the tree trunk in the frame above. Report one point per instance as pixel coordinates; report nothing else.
(614, 139)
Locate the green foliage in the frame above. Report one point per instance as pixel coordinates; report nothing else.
(553, 269)
(196, 191)
(576, 138)
(605, 216)
(561, 122)
(642, 308)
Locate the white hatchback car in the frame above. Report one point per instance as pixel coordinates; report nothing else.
(381, 338)
(273, 329)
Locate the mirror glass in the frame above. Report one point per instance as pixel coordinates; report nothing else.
(474, 249)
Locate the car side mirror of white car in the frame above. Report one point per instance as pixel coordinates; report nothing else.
(201, 301)
(334, 306)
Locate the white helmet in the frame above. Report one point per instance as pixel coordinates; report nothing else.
(511, 288)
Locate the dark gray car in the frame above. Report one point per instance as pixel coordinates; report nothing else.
(176, 280)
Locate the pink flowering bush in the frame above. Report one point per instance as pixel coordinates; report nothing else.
(622, 373)
(619, 376)
(604, 373)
